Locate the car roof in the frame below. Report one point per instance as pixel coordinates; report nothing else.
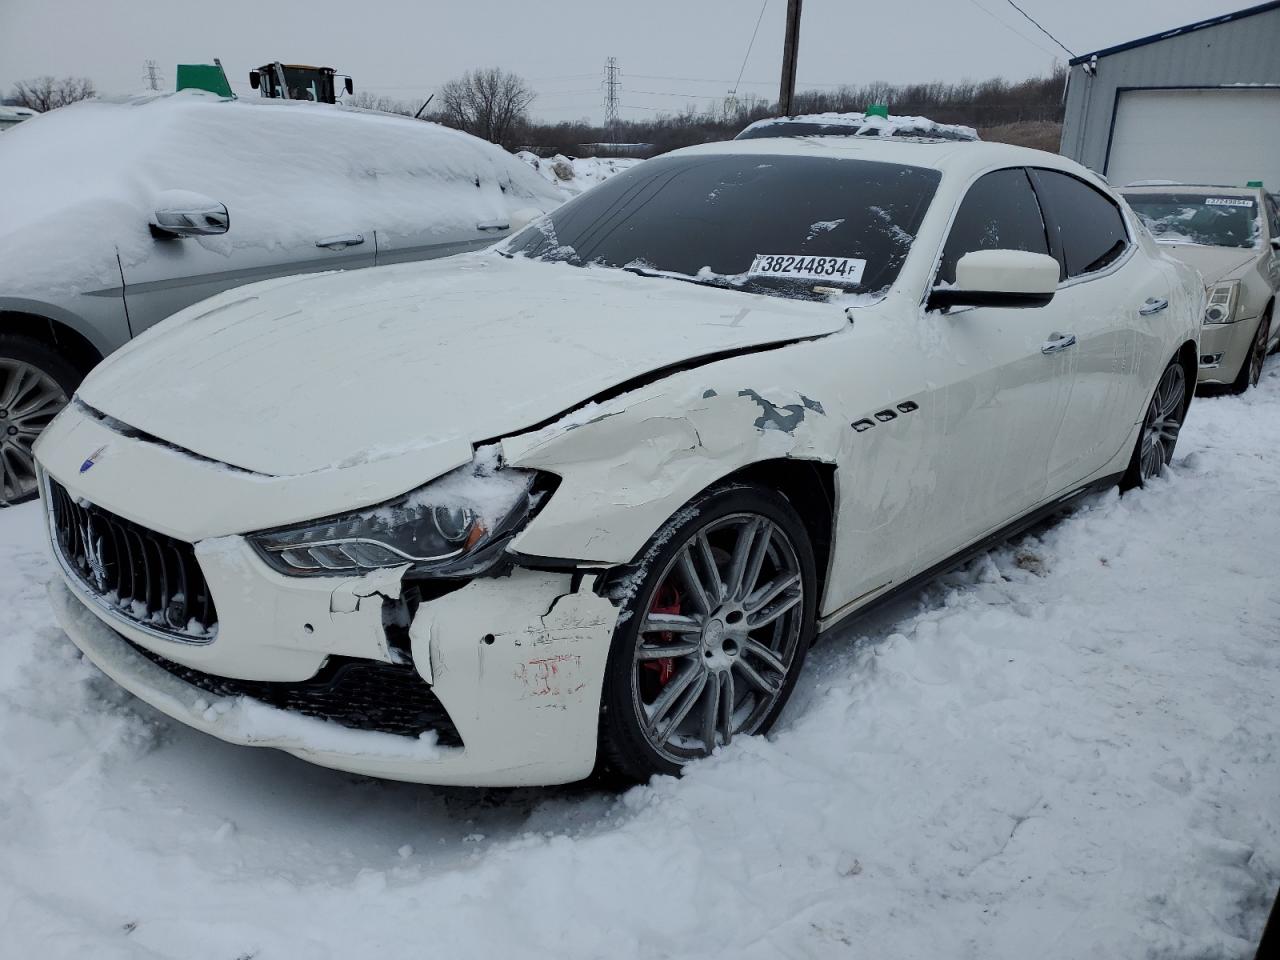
(957, 158)
(1194, 188)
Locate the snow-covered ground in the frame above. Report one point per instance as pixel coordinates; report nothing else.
(1070, 748)
(573, 175)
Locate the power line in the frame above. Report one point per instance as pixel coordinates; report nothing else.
(749, 46)
(1036, 24)
(1012, 29)
(654, 76)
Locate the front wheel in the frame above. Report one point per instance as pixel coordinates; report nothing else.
(1160, 428)
(35, 383)
(714, 630)
(1251, 369)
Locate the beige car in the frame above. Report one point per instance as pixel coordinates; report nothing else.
(1232, 236)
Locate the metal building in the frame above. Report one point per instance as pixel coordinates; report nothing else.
(1197, 104)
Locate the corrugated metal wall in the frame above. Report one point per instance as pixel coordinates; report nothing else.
(1245, 51)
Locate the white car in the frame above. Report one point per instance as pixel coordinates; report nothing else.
(589, 499)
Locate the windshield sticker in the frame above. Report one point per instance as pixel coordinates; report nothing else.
(1229, 201)
(808, 268)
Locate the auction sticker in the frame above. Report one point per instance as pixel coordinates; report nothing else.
(846, 269)
(1229, 201)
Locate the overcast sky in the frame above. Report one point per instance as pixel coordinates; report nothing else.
(671, 52)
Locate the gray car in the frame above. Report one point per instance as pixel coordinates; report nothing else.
(119, 213)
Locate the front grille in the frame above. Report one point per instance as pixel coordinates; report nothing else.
(146, 577)
(360, 694)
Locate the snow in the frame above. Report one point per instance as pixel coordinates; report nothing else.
(573, 175)
(1067, 749)
(861, 124)
(92, 171)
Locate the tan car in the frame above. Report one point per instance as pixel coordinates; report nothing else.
(1232, 236)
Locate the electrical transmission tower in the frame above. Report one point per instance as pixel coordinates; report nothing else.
(152, 75)
(611, 84)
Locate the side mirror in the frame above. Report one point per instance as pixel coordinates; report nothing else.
(181, 213)
(1000, 278)
(523, 217)
(347, 85)
(255, 79)
(1275, 243)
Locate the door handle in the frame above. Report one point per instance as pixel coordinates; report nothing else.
(342, 242)
(1153, 305)
(1058, 341)
(494, 225)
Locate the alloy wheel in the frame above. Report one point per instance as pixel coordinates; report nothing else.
(720, 637)
(1259, 354)
(1163, 421)
(29, 399)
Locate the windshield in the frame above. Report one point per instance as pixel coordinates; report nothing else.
(783, 225)
(1200, 218)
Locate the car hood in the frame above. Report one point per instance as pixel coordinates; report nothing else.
(339, 370)
(1214, 263)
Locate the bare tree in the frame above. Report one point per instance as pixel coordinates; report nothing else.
(47, 93)
(368, 101)
(489, 103)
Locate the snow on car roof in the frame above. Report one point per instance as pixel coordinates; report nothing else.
(956, 159)
(856, 125)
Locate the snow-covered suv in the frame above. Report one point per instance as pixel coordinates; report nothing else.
(119, 213)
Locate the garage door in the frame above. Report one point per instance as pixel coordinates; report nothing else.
(1224, 136)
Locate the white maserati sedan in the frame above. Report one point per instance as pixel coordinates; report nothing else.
(585, 500)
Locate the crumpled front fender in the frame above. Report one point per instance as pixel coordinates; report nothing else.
(629, 464)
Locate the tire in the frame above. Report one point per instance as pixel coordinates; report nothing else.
(657, 713)
(1251, 368)
(1160, 428)
(35, 383)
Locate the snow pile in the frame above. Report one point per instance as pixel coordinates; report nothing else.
(573, 175)
(91, 174)
(856, 125)
(1067, 749)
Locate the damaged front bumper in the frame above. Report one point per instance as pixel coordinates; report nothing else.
(516, 662)
(502, 674)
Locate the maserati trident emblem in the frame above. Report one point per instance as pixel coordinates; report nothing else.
(94, 556)
(92, 459)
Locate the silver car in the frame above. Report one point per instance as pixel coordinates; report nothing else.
(1232, 236)
(120, 213)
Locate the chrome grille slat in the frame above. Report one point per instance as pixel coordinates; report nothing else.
(139, 575)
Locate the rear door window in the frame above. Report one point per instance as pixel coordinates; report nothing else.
(1086, 228)
(1000, 212)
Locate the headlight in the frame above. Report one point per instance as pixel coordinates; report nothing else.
(454, 526)
(1223, 298)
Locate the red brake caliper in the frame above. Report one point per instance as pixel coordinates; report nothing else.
(666, 600)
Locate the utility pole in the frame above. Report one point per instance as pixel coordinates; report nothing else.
(790, 54)
(152, 76)
(611, 84)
